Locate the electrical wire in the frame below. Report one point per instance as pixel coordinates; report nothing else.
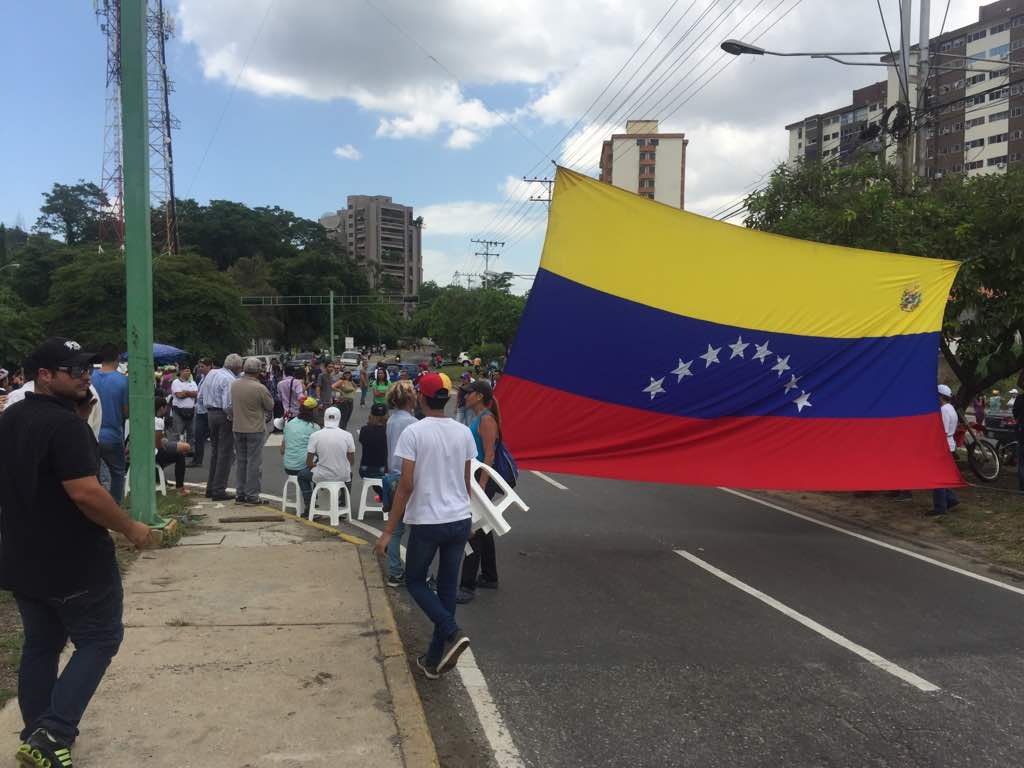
(231, 96)
(904, 87)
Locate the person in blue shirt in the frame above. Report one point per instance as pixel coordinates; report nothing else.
(112, 386)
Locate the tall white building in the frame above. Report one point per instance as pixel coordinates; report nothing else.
(649, 163)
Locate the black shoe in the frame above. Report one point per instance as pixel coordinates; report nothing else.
(252, 500)
(464, 596)
(429, 670)
(41, 750)
(453, 648)
(396, 581)
(194, 464)
(222, 497)
(487, 583)
(952, 504)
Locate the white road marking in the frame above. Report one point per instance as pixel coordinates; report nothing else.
(878, 543)
(555, 483)
(505, 753)
(884, 664)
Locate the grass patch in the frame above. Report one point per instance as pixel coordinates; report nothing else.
(10, 647)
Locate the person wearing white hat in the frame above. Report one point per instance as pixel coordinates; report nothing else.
(943, 499)
(329, 456)
(1013, 398)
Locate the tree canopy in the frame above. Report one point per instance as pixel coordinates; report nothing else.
(978, 221)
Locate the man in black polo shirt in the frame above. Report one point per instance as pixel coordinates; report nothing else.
(56, 555)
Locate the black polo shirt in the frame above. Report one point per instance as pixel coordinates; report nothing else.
(48, 547)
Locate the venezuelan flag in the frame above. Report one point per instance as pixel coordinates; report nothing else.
(663, 346)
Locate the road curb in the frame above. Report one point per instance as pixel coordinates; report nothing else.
(417, 745)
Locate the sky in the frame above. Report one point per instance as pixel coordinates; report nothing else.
(444, 106)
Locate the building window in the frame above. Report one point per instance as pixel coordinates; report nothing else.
(646, 183)
(976, 79)
(972, 36)
(974, 165)
(641, 142)
(1016, 45)
(999, 28)
(999, 138)
(999, 52)
(1015, 157)
(996, 116)
(973, 144)
(646, 169)
(873, 108)
(1017, 112)
(1016, 135)
(800, 133)
(972, 101)
(653, 142)
(995, 74)
(1001, 160)
(1002, 93)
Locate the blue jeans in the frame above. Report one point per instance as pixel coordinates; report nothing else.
(112, 456)
(448, 539)
(395, 551)
(202, 428)
(942, 500)
(305, 476)
(92, 620)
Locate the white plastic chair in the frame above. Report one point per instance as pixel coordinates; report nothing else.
(161, 481)
(336, 510)
(371, 485)
(487, 515)
(292, 481)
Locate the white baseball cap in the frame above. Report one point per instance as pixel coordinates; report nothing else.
(332, 418)
(945, 391)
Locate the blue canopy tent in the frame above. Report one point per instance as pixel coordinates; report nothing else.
(164, 354)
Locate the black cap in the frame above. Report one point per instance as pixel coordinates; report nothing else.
(57, 351)
(378, 409)
(481, 386)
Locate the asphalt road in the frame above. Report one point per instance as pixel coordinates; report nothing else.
(606, 647)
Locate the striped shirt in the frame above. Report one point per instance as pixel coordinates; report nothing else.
(216, 389)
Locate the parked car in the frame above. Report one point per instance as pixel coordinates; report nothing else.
(464, 359)
(302, 358)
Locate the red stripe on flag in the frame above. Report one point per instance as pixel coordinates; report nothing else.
(556, 431)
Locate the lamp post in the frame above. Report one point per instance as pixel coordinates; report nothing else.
(12, 265)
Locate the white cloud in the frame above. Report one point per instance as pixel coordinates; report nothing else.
(560, 56)
(347, 152)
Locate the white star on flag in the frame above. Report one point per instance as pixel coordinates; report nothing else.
(762, 353)
(655, 388)
(781, 365)
(738, 347)
(682, 370)
(791, 384)
(804, 401)
(711, 356)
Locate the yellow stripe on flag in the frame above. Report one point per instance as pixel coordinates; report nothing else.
(617, 242)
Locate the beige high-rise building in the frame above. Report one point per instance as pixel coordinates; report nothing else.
(647, 162)
(383, 237)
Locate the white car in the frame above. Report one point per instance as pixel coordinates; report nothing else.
(464, 359)
(350, 360)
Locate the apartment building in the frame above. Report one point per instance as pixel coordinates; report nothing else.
(835, 135)
(384, 238)
(975, 98)
(646, 162)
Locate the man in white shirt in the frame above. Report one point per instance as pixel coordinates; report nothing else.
(944, 499)
(433, 498)
(329, 456)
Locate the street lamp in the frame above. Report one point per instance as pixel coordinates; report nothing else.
(738, 48)
(12, 265)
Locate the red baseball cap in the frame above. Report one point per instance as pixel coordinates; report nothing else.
(433, 386)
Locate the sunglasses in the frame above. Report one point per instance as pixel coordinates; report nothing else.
(74, 371)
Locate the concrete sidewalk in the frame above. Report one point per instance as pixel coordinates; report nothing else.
(252, 645)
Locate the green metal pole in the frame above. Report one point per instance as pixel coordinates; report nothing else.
(138, 259)
(332, 326)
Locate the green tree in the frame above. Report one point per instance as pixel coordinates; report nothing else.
(252, 277)
(975, 220)
(73, 212)
(21, 329)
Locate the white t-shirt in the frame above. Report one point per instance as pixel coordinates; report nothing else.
(949, 421)
(440, 447)
(331, 446)
(183, 402)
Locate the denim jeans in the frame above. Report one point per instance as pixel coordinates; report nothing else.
(305, 476)
(362, 395)
(112, 456)
(202, 430)
(1020, 457)
(395, 551)
(942, 500)
(249, 459)
(448, 540)
(92, 620)
(222, 452)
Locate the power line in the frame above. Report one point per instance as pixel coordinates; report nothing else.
(904, 88)
(231, 96)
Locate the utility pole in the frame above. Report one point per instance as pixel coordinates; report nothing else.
(548, 183)
(138, 258)
(332, 326)
(906, 142)
(486, 252)
(922, 87)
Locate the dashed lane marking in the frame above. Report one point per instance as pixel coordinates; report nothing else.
(547, 479)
